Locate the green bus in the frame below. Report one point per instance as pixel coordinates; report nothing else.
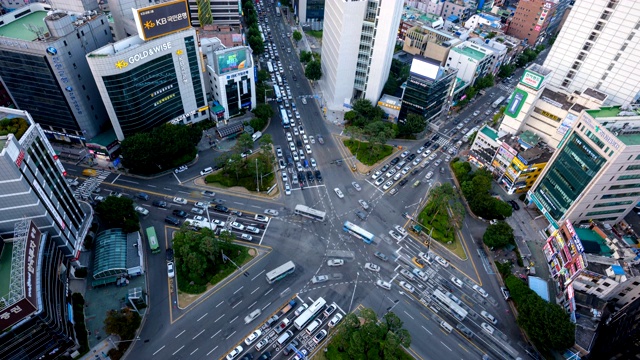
(153, 240)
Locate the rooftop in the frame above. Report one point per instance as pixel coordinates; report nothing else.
(539, 286)
(413, 14)
(489, 132)
(593, 243)
(470, 52)
(19, 28)
(535, 154)
(556, 97)
(595, 94)
(604, 112)
(105, 138)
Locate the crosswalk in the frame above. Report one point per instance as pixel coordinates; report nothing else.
(85, 190)
(504, 87)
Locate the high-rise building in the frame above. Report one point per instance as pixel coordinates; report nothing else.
(309, 10)
(43, 65)
(148, 83)
(428, 89)
(218, 12)
(593, 175)
(531, 20)
(124, 24)
(357, 48)
(33, 187)
(597, 48)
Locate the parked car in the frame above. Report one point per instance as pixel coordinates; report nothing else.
(381, 256)
(407, 287)
(157, 203)
(179, 200)
(170, 270)
(339, 193)
(335, 262)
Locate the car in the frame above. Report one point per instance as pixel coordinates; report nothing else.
(170, 270)
(289, 137)
(395, 235)
(385, 167)
(339, 193)
(330, 310)
(405, 170)
(397, 177)
(208, 193)
(287, 350)
(418, 262)
(262, 344)
(73, 182)
(287, 189)
(292, 147)
(298, 143)
(407, 287)
(383, 284)
(142, 211)
(304, 101)
(381, 256)
(158, 203)
(320, 139)
(320, 336)
(246, 153)
(252, 229)
(390, 173)
(489, 317)
(336, 319)
(361, 214)
(465, 331)
(318, 175)
(404, 154)
(309, 176)
(234, 353)
(311, 138)
(514, 205)
(261, 218)
(372, 267)
(505, 293)
(198, 211)
(313, 162)
(438, 162)
(237, 226)
(442, 261)
(480, 291)
(301, 153)
(379, 181)
(305, 139)
(201, 204)
(319, 279)
(304, 353)
(206, 171)
(493, 221)
(307, 148)
(180, 213)
(221, 208)
(376, 174)
(420, 150)
(363, 204)
(335, 262)
(411, 157)
(394, 161)
(476, 113)
(429, 175)
(179, 200)
(403, 182)
(419, 273)
(424, 257)
(417, 161)
(407, 274)
(199, 218)
(219, 223)
(299, 166)
(457, 282)
(301, 129)
(488, 112)
(300, 309)
(356, 186)
(295, 156)
(253, 337)
(115, 194)
(285, 178)
(488, 328)
(387, 185)
(246, 237)
(281, 164)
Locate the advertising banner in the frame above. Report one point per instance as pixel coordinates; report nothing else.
(232, 60)
(531, 79)
(516, 103)
(162, 19)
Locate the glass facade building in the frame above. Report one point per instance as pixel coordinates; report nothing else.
(426, 95)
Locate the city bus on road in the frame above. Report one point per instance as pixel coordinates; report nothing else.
(311, 313)
(358, 232)
(280, 272)
(498, 102)
(285, 119)
(269, 66)
(444, 301)
(306, 211)
(276, 90)
(153, 240)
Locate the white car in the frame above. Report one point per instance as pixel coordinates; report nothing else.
(246, 237)
(170, 271)
(356, 186)
(457, 282)
(376, 174)
(271, 212)
(417, 161)
(339, 193)
(420, 150)
(179, 200)
(488, 328)
(202, 205)
(400, 230)
(383, 284)
(301, 129)
(313, 162)
(300, 310)
(442, 261)
(142, 211)
(395, 235)
(285, 178)
(372, 267)
(407, 287)
(397, 177)
(292, 147)
(261, 344)
(199, 218)
(235, 353)
(305, 139)
(489, 317)
(390, 173)
(379, 181)
(307, 149)
(424, 257)
(304, 101)
(197, 210)
(429, 175)
(335, 262)
(287, 189)
(237, 226)
(480, 291)
(299, 166)
(387, 185)
(218, 222)
(336, 319)
(289, 137)
(404, 154)
(253, 337)
(279, 151)
(261, 218)
(405, 170)
(253, 229)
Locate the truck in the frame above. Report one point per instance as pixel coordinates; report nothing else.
(282, 325)
(286, 309)
(277, 10)
(256, 135)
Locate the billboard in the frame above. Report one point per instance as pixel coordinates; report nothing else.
(232, 60)
(516, 103)
(531, 79)
(162, 19)
(425, 69)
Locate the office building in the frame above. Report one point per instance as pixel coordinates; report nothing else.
(215, 12)
(123, 24)
(144, 84)
(430, 43)
(428, 90)
(34, 316)
(309, 10)
(5, 97)
(43, 66)
(461, 9)
(427, 6)
(357, 48)
(525, 166)
(593, 175)
(597, 48)
(33, 187)
(231, 78)
(530, 21)
(472, 61)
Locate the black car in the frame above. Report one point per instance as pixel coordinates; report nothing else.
(435, 146)
(301, 176)
(428, 143)
(415, 172)
(221, 208)
(385, 168)
(395, 161)
(411, 157)
(265, 356)
(403, 182)
(514, 204)
(159, 203)
(309, 176)
(295, 78)
(169, 254)
(318, 175)
(299, 143)
(289, 160)
(435, 137)
(180, 213)
(171, 220)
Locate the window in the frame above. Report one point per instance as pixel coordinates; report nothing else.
(593, 36)
(623, 195)
(571, 74)
(576, 65)
(587, 46)
(626, 186)
(605, 15)
(582, 56)
(615, 211)
(610, 67)
(624, 46)
(633, 167)
(598, 290)
(614, 203)
(612, 4)
(606, 284)
(599, 25)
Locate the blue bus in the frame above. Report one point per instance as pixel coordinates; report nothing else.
(358, 232)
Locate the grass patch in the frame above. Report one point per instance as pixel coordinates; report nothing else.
(246, 178)
(440, 225)
(315, 33)
(367, 153)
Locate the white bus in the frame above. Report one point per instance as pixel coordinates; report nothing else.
(285, 119)
(498, 102)
(312, 311)
(314, 214)
(269, 66)
(358, 232)
(449, 305)
(280, 272)
(276, 90)
(200, 224)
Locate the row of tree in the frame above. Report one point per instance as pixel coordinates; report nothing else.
(442, 205)
(498, 235)
(118, 213)
(476, 187)
(312, 68)
(254, 37)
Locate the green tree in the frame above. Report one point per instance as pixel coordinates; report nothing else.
(119, 213)
(350, 116)
(297, 36)
(265, 144)
(254, 31)
(390, 86)
(263, 75)
(305, 56)
(244, 142)
(235, 165)
(313, 70)
(264, 112)
(123, 322)
(506, 70)
(498, 235)
(485, 82)
(256, 44)
(414, 124)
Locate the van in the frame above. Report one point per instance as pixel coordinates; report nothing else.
(313, 326)
(206, 171)
(89, 172)
(445, 325)
(284, 337)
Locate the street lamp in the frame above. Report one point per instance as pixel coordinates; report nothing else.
(121, 341)
(354, 291)
(395, 302)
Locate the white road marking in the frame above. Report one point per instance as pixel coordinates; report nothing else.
(234, 319)
(250, 306)
(234, 306)
(168, 189)
(184, 192)
(114, 180)
(235, 292)
(425, 329)
(445, 346)
(197, 334)
(157, 351)
(412, 318)
(221, 316)
(216, 334)
(180, 333)
(194, 351)
(227, 338)
(151, 186)
(255, 289)
(270, 290)
(221, 302)
(178, 350)
(266, 306)
(258, 274)
(212, 350)
(129, 181)
(202, 316)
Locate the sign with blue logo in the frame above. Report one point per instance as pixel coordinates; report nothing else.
(52, 51)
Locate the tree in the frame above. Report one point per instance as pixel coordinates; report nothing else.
(390, 86)
(244, 142)
(305, 56)
(350, 116)
(297, 36)
(234, 165)
(265, 144)
(256, 44)
(264, 112)
(498, 235)
(313, 70)
(124, 323)
(414, 124)
(118, 212)
(263, 75)
(506, 70)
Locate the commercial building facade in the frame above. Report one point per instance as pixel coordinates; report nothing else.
(530, 21)
(218, 12)
(144, 84)
(357, 49)
(309, 10)
(472, 62)
(430, 43)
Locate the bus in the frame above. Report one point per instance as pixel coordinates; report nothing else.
(308, 315)
(498, 102)
(276, 89)
(269, 66)
(285, 119)
(153, 240)
(358, 232)
(277, 11)
(443, 300)
(201, 224)
(306, 211)
(280, 272)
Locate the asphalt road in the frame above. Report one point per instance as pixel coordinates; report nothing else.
(214, 325)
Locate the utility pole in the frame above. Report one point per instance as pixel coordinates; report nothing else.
(257, 183)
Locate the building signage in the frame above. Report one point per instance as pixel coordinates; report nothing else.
(20, 157)
(159, 20)
(516, 103)
(18, 44)
(121, 64)
(603, 134)
(531, 79)
(566, 124)
(183, 68)
(59, 68)
(232, 60)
